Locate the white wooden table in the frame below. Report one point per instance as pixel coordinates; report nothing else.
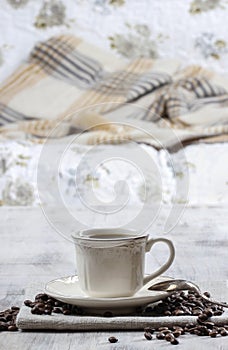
(30, 250)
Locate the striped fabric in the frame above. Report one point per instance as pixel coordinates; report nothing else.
(64, 75)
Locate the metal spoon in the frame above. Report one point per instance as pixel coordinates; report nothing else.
(180, 285)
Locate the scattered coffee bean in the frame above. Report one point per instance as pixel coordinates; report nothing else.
(148, 336)
(174, 341)
(112, 340)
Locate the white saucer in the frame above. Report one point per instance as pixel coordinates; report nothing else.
(67, 290)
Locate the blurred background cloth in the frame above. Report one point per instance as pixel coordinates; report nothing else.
(65, 77)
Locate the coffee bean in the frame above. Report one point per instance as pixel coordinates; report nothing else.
(160, 336)
(148, 309)
(66, 312)
(57, 303)
(112, 339)
(160, 329)
(209, 325)
(149, 330)
(57, 310)
(208, 312)
(27, 302)
(48, 307)
(213, 334)
(176, 333)
(40, 305)
(167, 313)
(41, 296)
(196, 312)
(224, 333)
(107, 314)
(148, 336)
(207, 294)
(190, 325)
(202, 317)
(178, 312)
(192, 330)
(174, 341)
(34, 310)
(3, 319)
(15, 308)
(169, 337)
(218, 313)
(12, 328)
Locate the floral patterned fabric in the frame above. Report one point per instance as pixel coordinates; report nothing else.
(192, 30)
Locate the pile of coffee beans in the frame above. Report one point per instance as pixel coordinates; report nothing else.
(185, 304)
(46, 305)
(8, 319)
(170, 334)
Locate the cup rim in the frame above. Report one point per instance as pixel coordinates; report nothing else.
(133, 234)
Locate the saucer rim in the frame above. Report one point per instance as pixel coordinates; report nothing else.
(102, 300)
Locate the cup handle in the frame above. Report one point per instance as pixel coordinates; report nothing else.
(167, 264)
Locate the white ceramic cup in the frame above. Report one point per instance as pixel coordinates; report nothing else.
(110, 262)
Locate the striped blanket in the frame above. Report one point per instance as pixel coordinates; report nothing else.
(69, 87)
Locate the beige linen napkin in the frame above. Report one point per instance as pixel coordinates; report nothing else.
(28, 321)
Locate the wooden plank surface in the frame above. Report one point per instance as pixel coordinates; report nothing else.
(31, 250)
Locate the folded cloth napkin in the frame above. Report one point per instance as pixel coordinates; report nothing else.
(144, 100)
(26, 320)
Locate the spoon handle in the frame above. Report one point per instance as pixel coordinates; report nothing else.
(212, 301)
